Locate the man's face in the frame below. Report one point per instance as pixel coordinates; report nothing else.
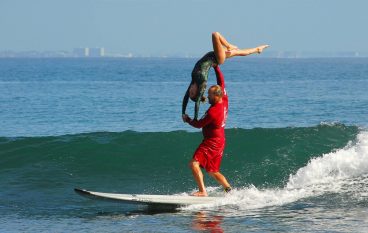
(211, 96)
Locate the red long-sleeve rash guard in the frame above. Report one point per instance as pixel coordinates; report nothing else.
(214, 120)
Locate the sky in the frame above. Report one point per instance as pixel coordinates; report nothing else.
(183, 26)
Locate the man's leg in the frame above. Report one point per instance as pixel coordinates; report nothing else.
(198, 176)
(220, 179)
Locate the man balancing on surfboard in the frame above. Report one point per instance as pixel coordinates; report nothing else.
(209, 153)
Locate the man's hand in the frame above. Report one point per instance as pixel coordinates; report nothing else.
(186, 118)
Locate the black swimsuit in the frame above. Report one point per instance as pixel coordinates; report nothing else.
(200, 76)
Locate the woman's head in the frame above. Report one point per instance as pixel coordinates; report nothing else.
(194, 92)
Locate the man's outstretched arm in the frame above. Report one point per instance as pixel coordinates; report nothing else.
(199, 123)
(220, 77)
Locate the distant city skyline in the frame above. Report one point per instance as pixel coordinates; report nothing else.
(101, 52)
(170, 27)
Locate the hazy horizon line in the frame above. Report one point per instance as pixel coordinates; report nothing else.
(269, 53)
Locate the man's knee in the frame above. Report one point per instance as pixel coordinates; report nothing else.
(215, 34)
(193, 164)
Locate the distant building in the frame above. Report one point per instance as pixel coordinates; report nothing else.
(96, 52)
(81, 52)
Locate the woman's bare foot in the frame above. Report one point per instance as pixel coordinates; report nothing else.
(245, 52)
(200, 194)
(231, 53)
(261, 48)
(231, 47)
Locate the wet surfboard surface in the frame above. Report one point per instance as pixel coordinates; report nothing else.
(168, 200)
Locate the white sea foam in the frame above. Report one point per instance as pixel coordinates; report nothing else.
(334, 172)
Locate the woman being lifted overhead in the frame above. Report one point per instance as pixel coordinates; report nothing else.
(221, 51)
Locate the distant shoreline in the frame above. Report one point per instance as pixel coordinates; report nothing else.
(174, 57)
(267, 54)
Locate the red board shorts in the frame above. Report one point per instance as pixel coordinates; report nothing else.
(209, 154)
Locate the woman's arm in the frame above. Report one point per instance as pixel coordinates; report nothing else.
(202, 89)
(185, 102)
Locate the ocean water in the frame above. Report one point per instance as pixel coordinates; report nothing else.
(297, 145)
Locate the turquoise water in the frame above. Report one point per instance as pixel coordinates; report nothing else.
(297, 145)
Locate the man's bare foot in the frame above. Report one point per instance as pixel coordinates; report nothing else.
(200, 194)
(261, 48)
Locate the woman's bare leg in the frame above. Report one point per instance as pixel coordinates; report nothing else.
(218, 47)
(245, 52)
(224, 42)
(219, 44)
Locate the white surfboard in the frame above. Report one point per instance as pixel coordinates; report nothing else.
(151, 200)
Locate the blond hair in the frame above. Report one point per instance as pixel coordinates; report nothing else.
(217, 90)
